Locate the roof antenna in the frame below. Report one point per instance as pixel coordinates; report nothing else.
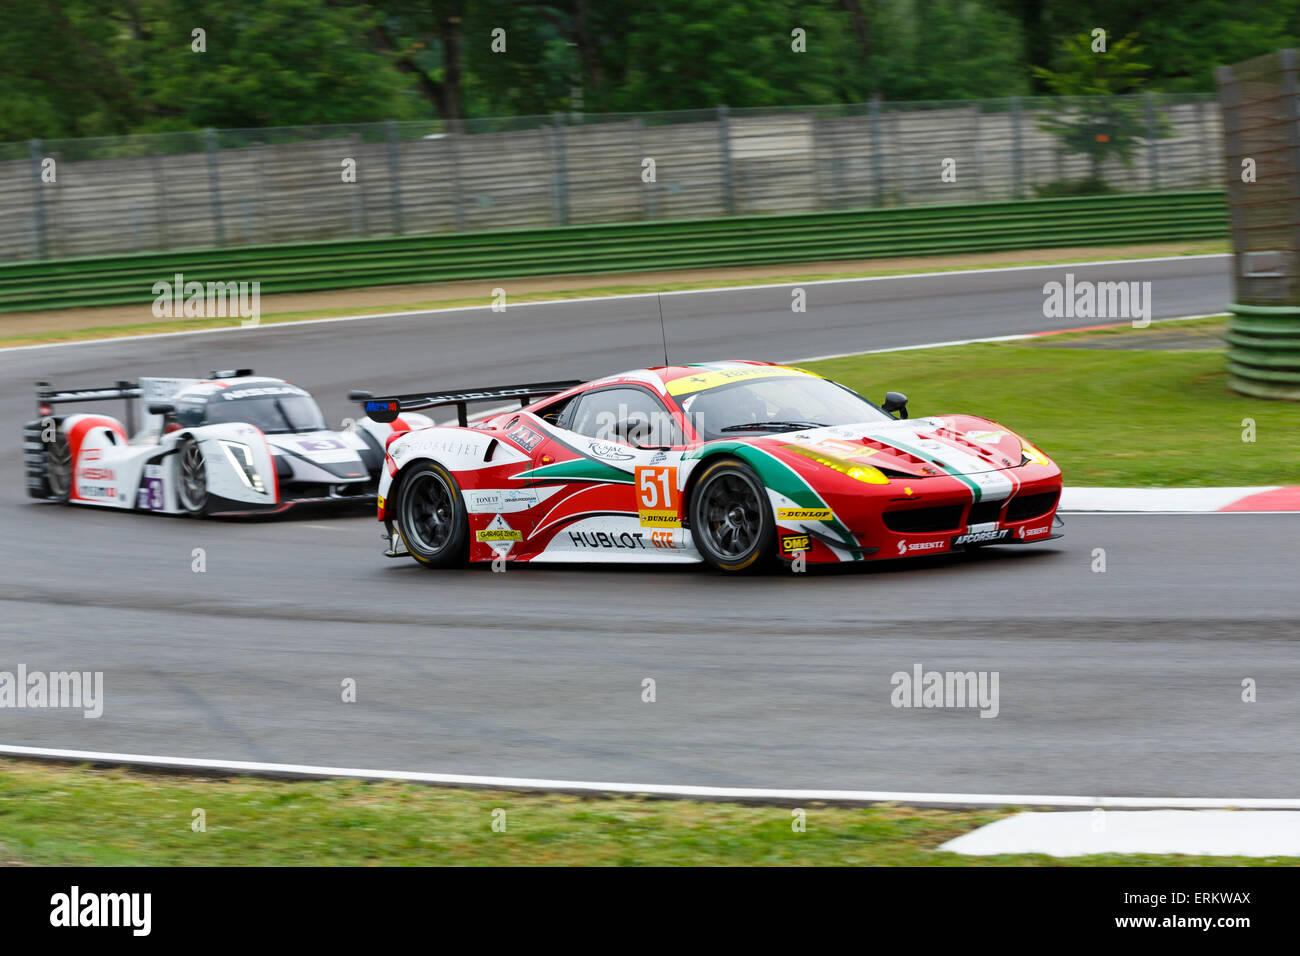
(660, 300)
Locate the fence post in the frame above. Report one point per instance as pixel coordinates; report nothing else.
(394, 175)
(357, 195)
(649, 191)
(40, 242)
(1153, 150)
(1291, 111)
(160, 197)
(877, 150)
(724, 154)
(561, 178)
(1202, 137)
(1017, 152)
(214, 183)
(452, 139)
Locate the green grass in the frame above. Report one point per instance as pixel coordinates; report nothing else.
(59, 815)
(1107, 416)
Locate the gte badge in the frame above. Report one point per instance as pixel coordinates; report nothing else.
(383, 411)
(791, 543)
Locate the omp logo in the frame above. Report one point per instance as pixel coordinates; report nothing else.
(957, 689)
(795, 542)
(74, 690)
(74, 909)
(804, 514)
(1098, 300)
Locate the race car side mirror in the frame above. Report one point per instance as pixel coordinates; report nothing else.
(161, 408)
(895, 402)
(360, 394)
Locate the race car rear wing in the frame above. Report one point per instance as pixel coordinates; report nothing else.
(386, 408)
(147, 390)
(47, 397)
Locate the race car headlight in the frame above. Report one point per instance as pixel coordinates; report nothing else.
(1033, 454)
(241, 457)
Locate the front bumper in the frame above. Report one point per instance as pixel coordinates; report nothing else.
(926, 517)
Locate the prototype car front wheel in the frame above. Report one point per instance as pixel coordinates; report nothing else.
(192, 488)
(431, 516)
(731, 520)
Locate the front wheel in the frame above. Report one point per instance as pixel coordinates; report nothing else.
(731, 520)
(431, 516)
(192, 488)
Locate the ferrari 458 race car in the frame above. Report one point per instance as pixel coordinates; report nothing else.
(233, 444)
(738, 464)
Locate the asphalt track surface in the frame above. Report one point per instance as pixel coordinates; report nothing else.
(1121, 682)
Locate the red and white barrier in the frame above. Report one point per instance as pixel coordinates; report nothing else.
(1267, 499)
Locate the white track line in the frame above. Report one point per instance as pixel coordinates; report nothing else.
(993, 338)
(708, 793)
(625, 295)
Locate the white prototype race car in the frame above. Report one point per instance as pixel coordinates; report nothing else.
(231, 444)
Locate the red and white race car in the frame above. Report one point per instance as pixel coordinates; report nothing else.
(737, 464)
(232, 444)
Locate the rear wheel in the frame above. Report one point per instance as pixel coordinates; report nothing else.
(192, 489)
(431, 516)
(731, 520)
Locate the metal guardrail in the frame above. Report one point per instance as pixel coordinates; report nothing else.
(627, 247)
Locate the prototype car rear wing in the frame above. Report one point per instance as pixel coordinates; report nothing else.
(146, 390)
(386, 408)
(47, 397)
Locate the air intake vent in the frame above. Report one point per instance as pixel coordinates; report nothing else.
(983, 512)
(1031, 506)
(917, 520)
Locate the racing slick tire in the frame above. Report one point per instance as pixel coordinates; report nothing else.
(49, 463)
(731, 518)
(192, 484)
(431, 517)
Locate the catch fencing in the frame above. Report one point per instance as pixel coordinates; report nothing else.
(224, 189)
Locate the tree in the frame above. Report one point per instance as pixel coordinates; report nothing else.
(1096, 120)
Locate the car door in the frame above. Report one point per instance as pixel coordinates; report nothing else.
(615, 450)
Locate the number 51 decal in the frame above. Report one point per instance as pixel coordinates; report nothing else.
(658, 501)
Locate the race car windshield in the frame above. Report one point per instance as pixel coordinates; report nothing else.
(768, 405)
(273, 414)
